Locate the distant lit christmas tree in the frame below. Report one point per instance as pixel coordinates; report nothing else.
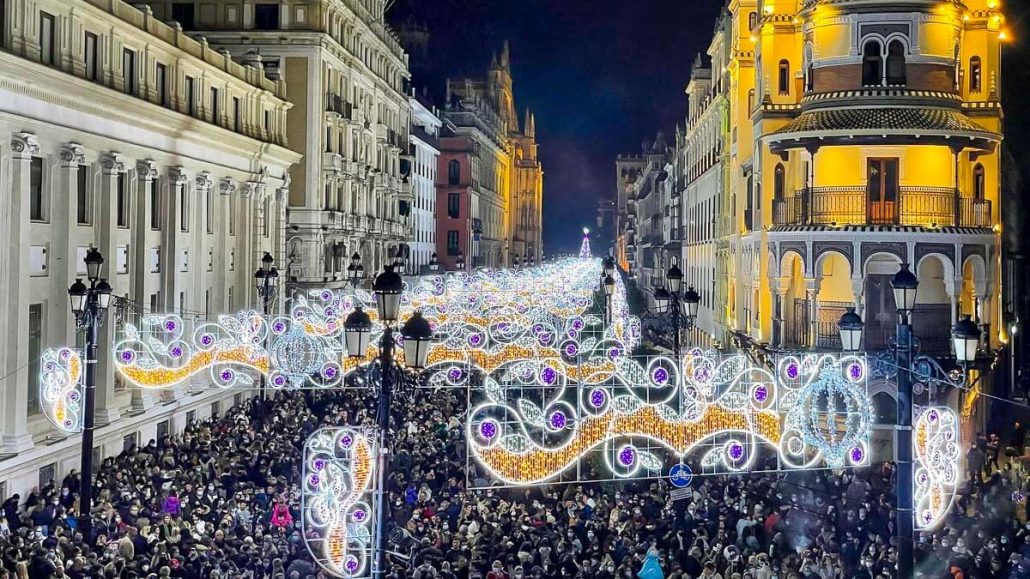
(584, 249)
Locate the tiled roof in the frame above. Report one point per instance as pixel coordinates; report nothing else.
(880, 118)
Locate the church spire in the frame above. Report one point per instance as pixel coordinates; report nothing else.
(530, 124)
(505, 56)
(493, 61)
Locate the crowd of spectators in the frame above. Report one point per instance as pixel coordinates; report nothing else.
(221, 500)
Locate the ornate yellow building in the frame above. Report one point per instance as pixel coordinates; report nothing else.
(862, 134)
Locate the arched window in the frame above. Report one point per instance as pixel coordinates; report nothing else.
(975, 74)
(454, 172)
(779, 181)
(979, 182)
(752, 19)
(784, 77)
(896, 63)
(750, 101)
(872, 63)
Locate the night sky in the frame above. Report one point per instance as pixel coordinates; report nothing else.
(601, 75)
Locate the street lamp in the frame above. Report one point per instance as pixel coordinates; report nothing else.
(689, 305)
(966, 337)
(850, 327)
(355, 270)
(434, 265)
(661, 300)
(417, 334)
(266, 277)
(459, 263)
(89, 306)
(609, 265)
(609, 291)
(674, 279)
(905, 285)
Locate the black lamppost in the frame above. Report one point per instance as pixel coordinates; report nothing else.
(434, 265)
(965, 335)
(89, 305)
(515, 262)
(609, 265)
(459, 263)
(417, 335)
(609, 290)
(905, 285)
(266, 278)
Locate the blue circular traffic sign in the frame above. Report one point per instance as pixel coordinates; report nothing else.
(680, 476)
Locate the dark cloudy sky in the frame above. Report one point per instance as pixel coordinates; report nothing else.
(601, 75)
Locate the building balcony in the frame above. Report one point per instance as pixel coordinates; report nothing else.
(856, 205)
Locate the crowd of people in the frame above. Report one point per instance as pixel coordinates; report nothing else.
(221, 500)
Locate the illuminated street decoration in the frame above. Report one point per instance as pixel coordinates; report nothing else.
(814, 412)
(61, 388)
(936, 449)
(337, 500)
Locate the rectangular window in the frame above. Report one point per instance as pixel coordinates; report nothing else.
(129, 441)
(266, 213)
(162, 431)
(453, 205)
(191, 97)
(207, 304)
(92, 72)
(232, 215)
(37, 206)
(129, 70)
(35, 351)
(268, 122)
(266, 16)
(182, 303)
(236, 120)
(230, 300)
(215, 113)
(191, 417)
(161, 85)
(122, 201)
(47, 474)
(184, 208)
(183, 13)
(155, 302)
(237, 399)
(155, 205)
(209, 219)
(46, 38)
(452, 242)
(216, 409)
(83, 205)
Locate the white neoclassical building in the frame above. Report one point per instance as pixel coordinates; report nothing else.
(425, 154)
(345, 73)
(119, 132)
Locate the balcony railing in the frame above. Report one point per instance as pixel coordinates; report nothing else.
(853, 205)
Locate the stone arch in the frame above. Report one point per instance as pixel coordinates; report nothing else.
(947, 266)
(787, 261)
(974, 286)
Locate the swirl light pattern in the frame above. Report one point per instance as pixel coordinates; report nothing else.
(337, 500)
(61, 388)
(533, 423)
(936, 447)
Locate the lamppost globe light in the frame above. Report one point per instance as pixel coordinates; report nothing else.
(103, 291)
(94, 260)
(662, 297)
(357, 331)
(966, 337)
(387, 289)
(266, 262)
(905, 285)
(674, 278)
(850, 326)
(77, 294)
(691, 302)
(418, 335)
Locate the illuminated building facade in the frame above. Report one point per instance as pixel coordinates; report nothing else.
(345, 72)
(119, 132)
(826, 144)
(493, 168)
(421, 173)
(628, 168)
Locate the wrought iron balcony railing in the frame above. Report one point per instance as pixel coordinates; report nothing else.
(855, 205)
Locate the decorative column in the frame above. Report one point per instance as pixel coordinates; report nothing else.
(780, 287)
(63, 218)
(223, 276)
(14, 273)
(953, 288)
(139, 252)
(812, 296)
(112, 167)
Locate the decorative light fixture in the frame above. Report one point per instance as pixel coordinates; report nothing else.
(966, 337)
(609, 265)
(690, 303)
(387, 289)
(77, 293)
(850, 327)
(418, 336)
(609, 285)
(94, 260)
(674, 279)
(662, 298)
(434, 265)
(357, 330)
(905, 285)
